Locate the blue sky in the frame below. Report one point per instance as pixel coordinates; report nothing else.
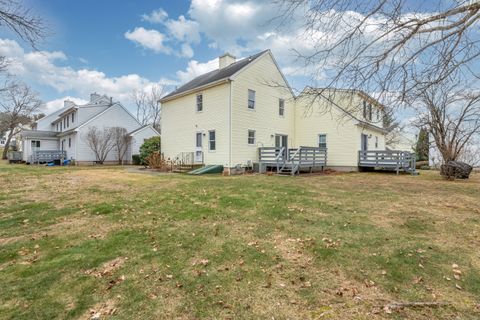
(114, 47)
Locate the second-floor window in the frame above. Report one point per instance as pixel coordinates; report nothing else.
(199, 102)
(64, 123)
(73, 117)
(322, 141)
(251, 136)
(61, 128)
(367, 111)
(212, 140)
(68, 121)
(281, 107)
(251, 99)
(57, 126)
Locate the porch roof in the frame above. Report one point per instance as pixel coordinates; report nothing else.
(38, 134)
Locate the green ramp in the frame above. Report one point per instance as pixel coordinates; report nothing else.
(207, 169)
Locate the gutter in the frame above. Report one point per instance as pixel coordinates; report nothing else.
(230, 126)
(205, 86)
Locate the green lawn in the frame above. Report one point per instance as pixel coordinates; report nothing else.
(75, 242)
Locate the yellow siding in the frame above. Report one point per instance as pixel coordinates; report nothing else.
(264, 78)
(319, 116)
(180, 122)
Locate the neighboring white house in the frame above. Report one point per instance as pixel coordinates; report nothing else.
(224, 116)
(66, 129)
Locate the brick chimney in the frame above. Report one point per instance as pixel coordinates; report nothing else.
(225, 60)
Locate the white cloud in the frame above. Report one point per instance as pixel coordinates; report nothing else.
(156, 16)
(54, 105)
(183, 30)
(151, 39)
(43, 68)
(195, 68)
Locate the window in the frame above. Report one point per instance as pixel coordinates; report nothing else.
(61, 128)
(199, 102)
(367, 111)
(211, 140)
(322, 141)
(73, 117)
(251, 99)
(35, 144)
(251, 136)
(69, 142)
(281, 107)
(57, 126)
(376, 142)
(64, 122)
(68, 121)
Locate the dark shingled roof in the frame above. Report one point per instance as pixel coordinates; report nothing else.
(214, 75)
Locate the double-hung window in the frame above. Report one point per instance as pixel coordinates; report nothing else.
(281, 107)
(322, 141)
(212, 140)
(251, 137)
(199, 102)
(251, 99)
(69, 142)
(73, 117)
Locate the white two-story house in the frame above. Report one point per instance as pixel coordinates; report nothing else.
(223, 117)
(65, 130)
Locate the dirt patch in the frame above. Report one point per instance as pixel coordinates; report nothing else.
(101, 311)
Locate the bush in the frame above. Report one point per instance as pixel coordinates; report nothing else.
(150, 146)
(136, 159)
(156, 161)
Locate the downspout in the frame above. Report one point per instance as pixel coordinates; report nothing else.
(230, 128)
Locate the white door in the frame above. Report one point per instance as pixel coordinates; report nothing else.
(198, 147)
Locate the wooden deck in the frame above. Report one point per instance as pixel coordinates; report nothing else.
(388, 159)
(291, 161)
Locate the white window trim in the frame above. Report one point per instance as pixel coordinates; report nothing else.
(254, 137)
(326, 139)
(254, 100)
(209, 149)
(281, 115)
(196, 103)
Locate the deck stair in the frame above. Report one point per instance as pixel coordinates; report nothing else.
(291, 161)
(184, 162)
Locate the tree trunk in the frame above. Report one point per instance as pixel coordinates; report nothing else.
(7, 145)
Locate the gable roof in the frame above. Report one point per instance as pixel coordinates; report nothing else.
(360, 122)
(214, 76)
(142, 128)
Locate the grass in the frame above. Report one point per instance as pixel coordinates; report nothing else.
(81, 241)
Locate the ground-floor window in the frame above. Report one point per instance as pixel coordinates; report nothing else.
(211, 140)
(251, 136)
(376, 142)
(35, 144)
(69, 142)
(322, 141)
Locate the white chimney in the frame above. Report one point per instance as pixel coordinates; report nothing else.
(94, 96)
(225, 60)
(68, 103)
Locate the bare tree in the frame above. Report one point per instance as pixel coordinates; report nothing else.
(139, 97)
(15, 17)
(382, 46)
(17, 107)
(451, 113)
(100, 142)
(148, 108)
(121, 141)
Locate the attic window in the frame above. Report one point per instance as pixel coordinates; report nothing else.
(281, 107)
(199, 102)
(251, 99)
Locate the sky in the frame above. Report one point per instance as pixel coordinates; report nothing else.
(115, 47)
